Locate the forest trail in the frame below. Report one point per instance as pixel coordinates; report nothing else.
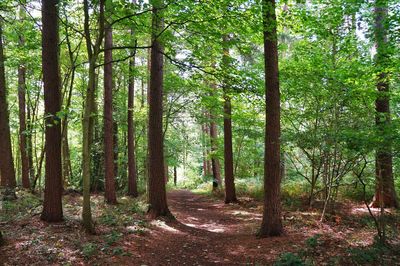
(207, 232)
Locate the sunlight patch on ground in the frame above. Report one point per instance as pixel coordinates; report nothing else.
(208, 227)
(364, 210)
(246, 216)
(164, 226)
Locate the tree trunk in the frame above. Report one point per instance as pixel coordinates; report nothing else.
(157, 193)
(272, 221)
(385, 194)
(22, 112)
(132, 174)
(88, 119)
(6, 163)
(52, 205)
(175, 176)
(216, 168)
(230, 193)
(109, 194)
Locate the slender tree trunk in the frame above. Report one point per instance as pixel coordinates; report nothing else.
(203, 134)
(116, 152)
(22, 113)
(216, 168)
(272, 221)
(88, 119)
(385, 193)
(230, 193)
(6, 163)
(175, 176)
(157, 193)
(110, 195)
(132, 174)
(30, 145)
(52, 205)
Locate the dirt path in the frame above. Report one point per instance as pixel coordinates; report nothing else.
(207, 232)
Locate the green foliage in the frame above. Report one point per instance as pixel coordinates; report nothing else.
(89, 250)
(25, 205)
(368, 255)
(112, 238)
(313, 242)
(289, 259)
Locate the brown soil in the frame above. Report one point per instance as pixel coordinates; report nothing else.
(206, 232)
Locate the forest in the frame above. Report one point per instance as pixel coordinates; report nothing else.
(199, 132)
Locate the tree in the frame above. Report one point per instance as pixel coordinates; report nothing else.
(6, 163)
(22, 111)
(93, 51)
(230, 193)
(157, 193)
(52, 205)
(385, 194)
(132, 174)
(272, 221)
(216, 168)
(109, 194)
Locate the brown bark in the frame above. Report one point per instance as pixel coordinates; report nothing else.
(52, 206)
(110, 195)
(22, 115)
(157, 193)
(272, 221)
(132, 174)
(385, 194)
(204, 132)
(230, 192)
(216, 168)
(175, 176)
(89, 108)
(6, 163)
(116, 152)
(66, 158)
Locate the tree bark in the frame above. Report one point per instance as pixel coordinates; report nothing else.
(272, 221)
(175, 176)
(52, 205)
(109, 194)
(88, 119)
(157, 192)
(132, 174)
(230, 193)
(22, 112)
(385, 194)
(216, 168)
(6, 163)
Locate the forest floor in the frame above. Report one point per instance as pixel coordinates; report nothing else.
(205, 232)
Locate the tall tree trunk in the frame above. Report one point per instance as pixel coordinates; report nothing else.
(272, 221)
(30, 144)
(52, 205)
(88, 119)
(109, 194)
(203, 136)
(6, 163)
(216, 168)
(230, 193)
(175, 176)
(116, 152)
(22, 112)
(66, 158)
(385, 194)
(157, 193)
(132, 174)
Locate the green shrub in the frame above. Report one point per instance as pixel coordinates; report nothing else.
(289, 259)
(313, 242)
(89, 249)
